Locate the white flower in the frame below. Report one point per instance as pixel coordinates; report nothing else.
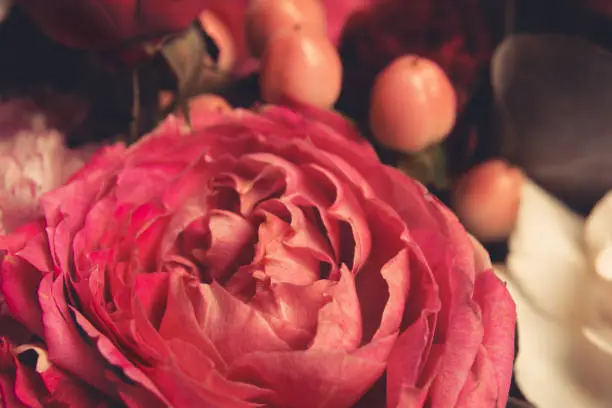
(559, 272)
(33, 160)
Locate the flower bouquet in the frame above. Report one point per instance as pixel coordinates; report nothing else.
(295, 203)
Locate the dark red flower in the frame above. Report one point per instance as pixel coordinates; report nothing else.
(111, 24)
(453, 33)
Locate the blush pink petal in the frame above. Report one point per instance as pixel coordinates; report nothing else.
(346, 209)
(215, 388)
(498, 319)
(229, 234)
(179, 320)
(29, 388)
(8, 370)
(339, 321)
(310, 379)
(459, 350)
(65, 389)
(142, 392)
(149, 222)
(382, 284)
(477, 391)
(218, 307)
(64, 212)
(67, 349)
(293, 311)
(406, 362)
(19, 283)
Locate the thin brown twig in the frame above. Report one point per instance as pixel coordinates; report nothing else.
(135, 127)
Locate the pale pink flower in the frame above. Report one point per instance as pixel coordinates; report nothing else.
(33, 160)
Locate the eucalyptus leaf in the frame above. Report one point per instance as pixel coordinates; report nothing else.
(196, 72)
(553, 95)
(427, 166)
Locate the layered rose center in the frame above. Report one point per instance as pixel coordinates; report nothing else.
(274, 234)
(262, 241)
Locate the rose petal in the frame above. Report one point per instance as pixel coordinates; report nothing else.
(405, 387)
(314, 378)
(293, 310)
(8, 371)
(64, 209)
(339, 321)
(460, 347)
(346, 208)
(179, 320)
(229, 234)
(29, 242)
(65, 345)
(482, 260)
(144, 392)
(220, 391)
(498, 319)
(29, 388)
(19, 283)
(248, 332)
(477, 391)
(61, 387)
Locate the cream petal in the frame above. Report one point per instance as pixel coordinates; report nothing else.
(597, 313)
(546, 261)
(551, 280)
(42, 358)
(598, 240)
(556, 366)
(598, 236)
(603, 262)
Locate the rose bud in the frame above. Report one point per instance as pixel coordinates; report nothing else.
(413, 104)
(301, 65)
(259, 260)
(487, 199)
(267, 18)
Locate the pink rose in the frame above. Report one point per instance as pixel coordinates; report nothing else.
(263, 260)
(33, 160)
